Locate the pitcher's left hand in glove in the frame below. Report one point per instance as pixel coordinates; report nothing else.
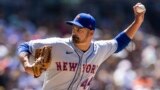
(42, 60)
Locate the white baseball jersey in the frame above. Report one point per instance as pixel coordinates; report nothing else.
(71, 68)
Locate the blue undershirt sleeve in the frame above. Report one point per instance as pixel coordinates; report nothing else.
(122, 40)
(24, 47)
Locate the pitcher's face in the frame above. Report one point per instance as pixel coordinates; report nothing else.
(81, 35)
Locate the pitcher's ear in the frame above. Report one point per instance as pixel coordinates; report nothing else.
(91, 32)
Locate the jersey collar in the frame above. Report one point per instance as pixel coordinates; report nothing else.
(91, 48)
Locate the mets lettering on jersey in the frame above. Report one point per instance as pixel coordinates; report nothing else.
(72, 69)
(69, 66)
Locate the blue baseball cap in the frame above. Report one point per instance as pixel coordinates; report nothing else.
(83, 20)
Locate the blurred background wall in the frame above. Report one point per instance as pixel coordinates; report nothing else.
(135, 68)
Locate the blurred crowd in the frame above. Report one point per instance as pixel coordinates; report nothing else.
(134, 68)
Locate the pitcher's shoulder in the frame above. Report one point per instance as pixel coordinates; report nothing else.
(102, 42)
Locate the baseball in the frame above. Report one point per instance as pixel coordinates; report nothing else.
(140, 8)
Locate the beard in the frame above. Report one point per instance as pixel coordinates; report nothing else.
(75, 39)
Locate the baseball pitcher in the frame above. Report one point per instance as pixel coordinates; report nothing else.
(71, 63)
